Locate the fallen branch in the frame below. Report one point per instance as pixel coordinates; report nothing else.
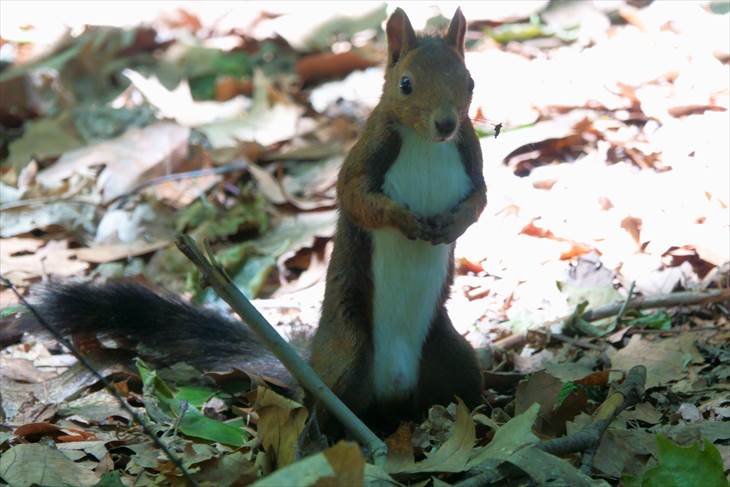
(685, 298)
(587, 440)
(624, 395)
(216, 278)
(236, 165)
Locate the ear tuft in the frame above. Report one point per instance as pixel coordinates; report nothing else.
(401, 36)
(457, 31)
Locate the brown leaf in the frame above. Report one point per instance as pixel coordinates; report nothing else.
(55, 259)
(339, 466)
(100, 254)
(682, 111)
(267, 184)
(36, 430)
(320, 66)
(22, 370)
(127, 158)
(281, 420)
(633, 226)
(665, 359)
(576, 250)
(543, 389)
(400, 448)
(599, 378)
(454, 454)
(348, 463)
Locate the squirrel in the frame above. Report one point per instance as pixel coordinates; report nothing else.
(410, 186)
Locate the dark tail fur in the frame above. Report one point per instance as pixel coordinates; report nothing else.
(168, 329)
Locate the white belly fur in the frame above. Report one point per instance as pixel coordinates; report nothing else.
(408, 275)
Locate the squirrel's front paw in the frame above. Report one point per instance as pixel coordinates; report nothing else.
(437, 228)
(410, 225)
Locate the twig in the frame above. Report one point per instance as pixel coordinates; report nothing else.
(626, 394)
(216, 278)
(107, 385)
(659, 301)
(488, 473)
(68, 198)
(576, 342)
(235, 165)
(626, 303)
(651, 331)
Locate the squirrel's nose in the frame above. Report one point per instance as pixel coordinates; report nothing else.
(445, 127)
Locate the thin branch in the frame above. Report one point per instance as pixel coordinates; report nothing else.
(686, 298)
(576, 342)
(216, 278)
(673, 331)
(625, 395)
(587, 440)
(621, 312)
(236, 165)
(107, 385)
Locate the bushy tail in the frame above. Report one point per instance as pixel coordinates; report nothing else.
(169, 329)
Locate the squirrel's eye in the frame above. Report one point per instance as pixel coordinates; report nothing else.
(471, 83)
(405, 85)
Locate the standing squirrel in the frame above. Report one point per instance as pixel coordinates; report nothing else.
(409, 187)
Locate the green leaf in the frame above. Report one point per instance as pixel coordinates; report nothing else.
(686, 466)
(194, 423)
(252, 277)
(11, 310)
(162, 403)
(196, 396)
(149, 377)
(512, 436)
(110, 479)
(656, 321)
(567, 389)
(4, 436)
(54, 62)
(43, 139)
(721, 7)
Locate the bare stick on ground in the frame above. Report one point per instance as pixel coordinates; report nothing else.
(216, 278)
(587, 440)
(686, 298)
(624, 395)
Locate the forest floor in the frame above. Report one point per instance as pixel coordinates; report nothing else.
(604, 128)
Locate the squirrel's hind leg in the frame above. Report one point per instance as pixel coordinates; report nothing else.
(449, 367)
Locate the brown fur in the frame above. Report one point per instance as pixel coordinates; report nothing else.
(342, 349)
(170, 330)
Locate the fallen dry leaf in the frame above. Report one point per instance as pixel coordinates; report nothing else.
(543, 389)
(179, 105)
(100, 254)
(22, 370)
(455, 453)
(400, 449)
(665, 360)
(138, 152)
(53, 259)
(316, 67)
(73, 215)
(339, 465)
(281, 420)
(39, 464)
(264, 123)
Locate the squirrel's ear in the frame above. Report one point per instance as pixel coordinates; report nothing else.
(401, 36)
(457, 31)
